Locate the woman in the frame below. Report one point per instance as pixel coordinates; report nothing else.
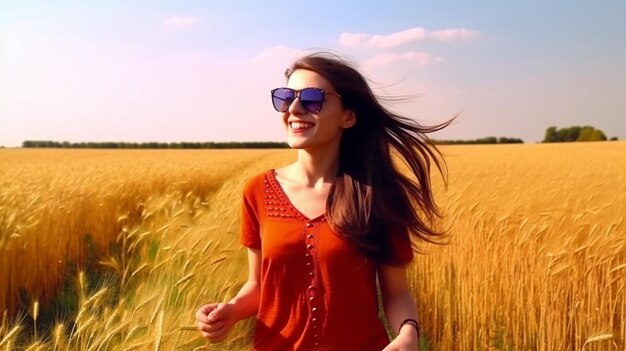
(320, 231)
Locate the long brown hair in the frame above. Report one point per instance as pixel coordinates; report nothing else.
(371, 197)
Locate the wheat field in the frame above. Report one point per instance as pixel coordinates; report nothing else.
(115, 249)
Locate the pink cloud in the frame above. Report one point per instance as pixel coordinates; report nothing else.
(379, 41)
(180, 21)
(418, 58)
(453, 34)
(353, 39)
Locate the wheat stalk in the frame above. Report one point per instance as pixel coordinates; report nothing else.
(137, 345)
(108, 336)
(9, 335)
(601, 337)
(156, 311)
(35, 315)
(58, 335)
(82, 285)
(35, 347)
(131, 332)
(159, 334)
(84, 326)
(184, 279)
(144, 303)
(95, 297)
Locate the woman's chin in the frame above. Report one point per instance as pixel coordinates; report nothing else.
(297, 143)
(296, 146)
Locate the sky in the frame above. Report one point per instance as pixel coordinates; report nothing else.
(173, 71)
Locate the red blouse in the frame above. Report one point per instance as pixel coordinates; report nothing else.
(317, 291)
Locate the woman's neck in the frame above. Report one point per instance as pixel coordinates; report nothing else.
(317, 167)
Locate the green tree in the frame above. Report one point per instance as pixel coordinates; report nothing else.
(569, 134)
(550, 135)
(598, 135)
(574, 133)
(586, 134)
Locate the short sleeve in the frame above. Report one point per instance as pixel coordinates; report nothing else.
(249, 234)
(401, 247)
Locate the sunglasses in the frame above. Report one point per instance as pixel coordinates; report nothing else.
(312, 99)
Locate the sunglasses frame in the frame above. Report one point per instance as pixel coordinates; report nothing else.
(298, 92)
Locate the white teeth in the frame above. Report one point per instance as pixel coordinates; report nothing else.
(300, 125)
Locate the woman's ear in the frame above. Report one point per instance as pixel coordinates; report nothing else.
(348, 119)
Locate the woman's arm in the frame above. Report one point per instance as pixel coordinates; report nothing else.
(399, 306)
(216, 319)
(246, 302)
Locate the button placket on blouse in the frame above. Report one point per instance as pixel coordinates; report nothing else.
(309, 240)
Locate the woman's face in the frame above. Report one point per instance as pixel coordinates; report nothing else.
(307, 130)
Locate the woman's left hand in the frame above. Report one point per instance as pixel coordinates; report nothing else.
(403, 343)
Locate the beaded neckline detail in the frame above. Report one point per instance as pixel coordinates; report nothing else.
(277, 204)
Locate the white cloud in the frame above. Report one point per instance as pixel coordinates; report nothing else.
(354, 40)
(180, 21)
(412, 57)
(453, 34)
(381, 41)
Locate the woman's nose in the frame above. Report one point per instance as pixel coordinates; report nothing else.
(296, 107)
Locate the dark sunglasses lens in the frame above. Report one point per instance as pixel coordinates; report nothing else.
(312, 99)
(282, 99)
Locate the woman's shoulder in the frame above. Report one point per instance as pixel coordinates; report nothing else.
(255, 183)
(258, 180)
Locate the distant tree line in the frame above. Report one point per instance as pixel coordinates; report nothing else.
(553, 134)
(487, 140)
(220, 145)
(155, 145)
(574, 133)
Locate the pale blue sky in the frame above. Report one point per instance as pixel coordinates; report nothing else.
(201, 71)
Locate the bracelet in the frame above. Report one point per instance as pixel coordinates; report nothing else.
(412, 322)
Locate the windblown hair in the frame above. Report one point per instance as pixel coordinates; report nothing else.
(371, 197)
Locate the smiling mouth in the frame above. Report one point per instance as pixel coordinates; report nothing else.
(296, 126)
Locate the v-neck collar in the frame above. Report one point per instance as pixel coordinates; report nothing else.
(285, 199)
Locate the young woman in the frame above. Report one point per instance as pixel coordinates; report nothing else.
(322, 231)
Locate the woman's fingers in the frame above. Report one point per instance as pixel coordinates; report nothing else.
(214, 338)
(214, 332)
(203, 312)
(217, 313)
(211, 327)
(211, 321)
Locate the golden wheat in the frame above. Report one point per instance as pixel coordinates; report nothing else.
(159, 331)
(536, 259)
(9, 336)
